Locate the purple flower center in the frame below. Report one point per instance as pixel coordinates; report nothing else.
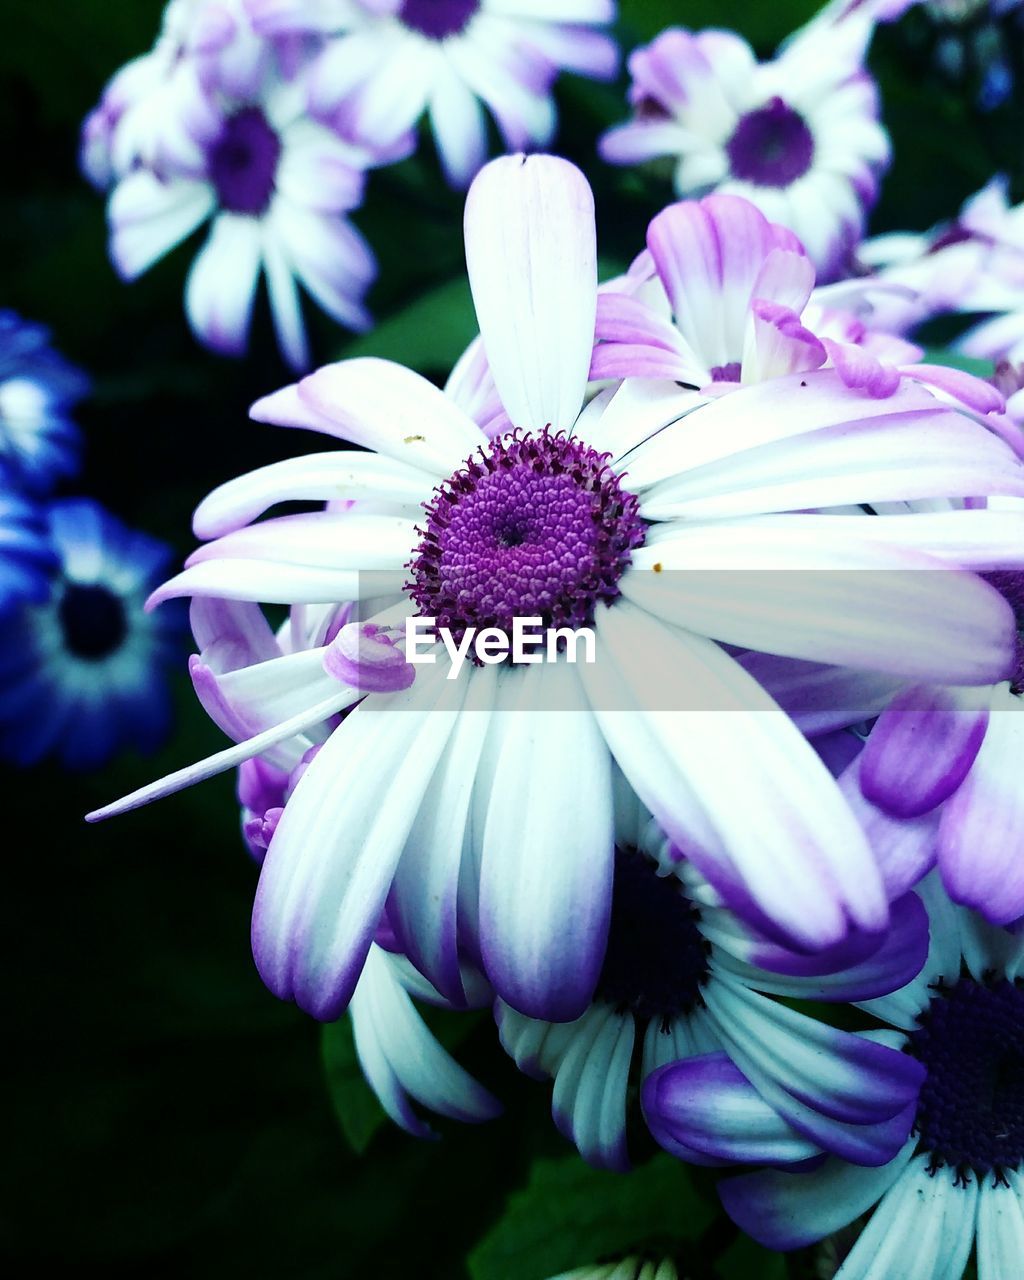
(970, 1114)
(657, 958)
(242, 162)
(93, 621)
(1010, 585)
(534, 525)
(771, 147)
(726, 372)
(438, 19)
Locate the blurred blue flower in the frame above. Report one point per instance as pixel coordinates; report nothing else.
(82, 670)
(26, 559)
(38, 390)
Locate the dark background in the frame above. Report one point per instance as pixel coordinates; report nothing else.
(169, 1117)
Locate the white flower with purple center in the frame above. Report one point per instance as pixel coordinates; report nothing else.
(27, 559)
(155, 106)
(395, 60)
(683, 977)
(798, 136)
(276, 188)
(84, 671)
(957, 1184)
(39, 441)
(632, 513)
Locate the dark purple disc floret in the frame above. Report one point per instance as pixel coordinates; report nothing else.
(534, 525)
(438, 19)
(970, 1116)
(242, 162)
(771, 147)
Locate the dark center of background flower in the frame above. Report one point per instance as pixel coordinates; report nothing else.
(970, 1115)
(532, 526)
(93, 620)
(438, 19)
(771, 147)
(1010, 585)
(657, 958)
(243, 160)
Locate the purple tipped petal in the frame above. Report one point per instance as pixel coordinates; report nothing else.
(981, 831)
(707, 1105)
(921, 749)
(788, 1210)
(367, 657)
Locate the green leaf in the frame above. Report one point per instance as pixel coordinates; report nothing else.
(954, 360)
(429, 335)
(570, 1214)
(764, 25)
(355, 1105)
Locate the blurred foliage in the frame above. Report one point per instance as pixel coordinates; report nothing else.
(168, 1117)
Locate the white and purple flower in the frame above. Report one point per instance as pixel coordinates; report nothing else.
(84, 670)
(673, 525)
(39, 441)
(392, 61)
(275, 188)
(683, 977)
(956, 1186)
(798, 136)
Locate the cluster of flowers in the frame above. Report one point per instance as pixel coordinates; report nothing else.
(790, 776)
(83, 667)
(262, 118)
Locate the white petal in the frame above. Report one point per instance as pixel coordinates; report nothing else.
(221, 284)
(532, 256)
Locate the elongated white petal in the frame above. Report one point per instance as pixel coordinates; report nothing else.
(791, 855)
(228, 759)
(531, 251)
(333, 856)
(221, 284)
(387, 408)
(803, 591)
(546, 882)
(319, 477)
(423, 907)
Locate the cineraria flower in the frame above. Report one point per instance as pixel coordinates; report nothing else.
(27, 560)
(632, 1268)
(798, 136)
(394, 60)
(157, 107)
(974, 264)
(83, 671)
(723, 298)
(38, 390)
(276, 187)
(957, 1183)
(493, 832)
(681, 977)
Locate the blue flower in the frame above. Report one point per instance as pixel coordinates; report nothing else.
(82, 669)
(26, 559)
(38, 390)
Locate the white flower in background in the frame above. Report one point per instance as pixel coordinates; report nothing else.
(798, 136)
(154, 106)
(275, 188)
(391, 61)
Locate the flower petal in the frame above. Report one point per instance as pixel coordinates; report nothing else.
(531, 252)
